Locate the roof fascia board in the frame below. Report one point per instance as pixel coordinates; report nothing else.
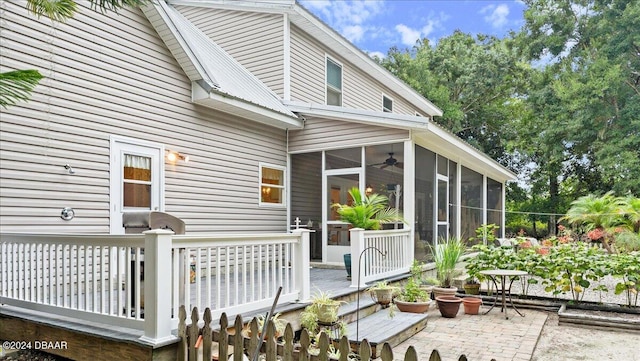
(391, 120)
(228, 104)
(468, 152)
(359, 58)
(271, 6)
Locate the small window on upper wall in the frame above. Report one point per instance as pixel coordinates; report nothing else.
(334, 83)
(387, 104)
(272, 185)
(418, 114)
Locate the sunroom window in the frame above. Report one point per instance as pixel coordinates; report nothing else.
(272, 185)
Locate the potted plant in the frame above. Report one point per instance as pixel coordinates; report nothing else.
(368, 212)
(446, 255)
(471, 286)
(323, 311)
(425, 283)
(277, 322)
(413, 298)
(382, 292)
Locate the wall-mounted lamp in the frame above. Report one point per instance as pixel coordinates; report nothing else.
(174, 156)
(69, 169)
(368, 190)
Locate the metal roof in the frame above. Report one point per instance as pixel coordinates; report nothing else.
(208, 65)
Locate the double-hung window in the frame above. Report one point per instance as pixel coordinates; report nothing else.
(334, 83)
(387, 104)
(272, 185)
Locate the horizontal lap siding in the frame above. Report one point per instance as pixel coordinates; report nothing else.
(307, 68)
(255, 40)
(359, 90)
(112, 75)
(320, 134)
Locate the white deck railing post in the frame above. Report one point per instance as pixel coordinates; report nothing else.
(357, 246)
(302, 258)
(157, 286)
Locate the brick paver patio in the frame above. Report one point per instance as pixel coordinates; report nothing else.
(479, 337)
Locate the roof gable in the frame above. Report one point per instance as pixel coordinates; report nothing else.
(219, 80)
(316, 28)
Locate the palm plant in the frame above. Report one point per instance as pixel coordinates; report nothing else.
(632, 211)
(593, 211)
(598, 213)
(367, 211)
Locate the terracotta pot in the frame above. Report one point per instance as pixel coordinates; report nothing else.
(448, 305)
(443, 291)
(413, 307)
(471, 305)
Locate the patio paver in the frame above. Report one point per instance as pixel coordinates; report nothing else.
(479, 337)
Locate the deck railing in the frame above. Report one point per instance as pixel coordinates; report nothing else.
(100, 277)
(385, 253)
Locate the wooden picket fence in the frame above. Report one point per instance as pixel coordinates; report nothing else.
(204, 343)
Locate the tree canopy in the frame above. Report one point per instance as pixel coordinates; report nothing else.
(558, 102)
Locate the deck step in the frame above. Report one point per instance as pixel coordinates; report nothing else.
(379, 328)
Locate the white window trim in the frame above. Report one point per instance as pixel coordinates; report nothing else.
(326, 83)
(283, 203)
(419, 115)
(391, 99)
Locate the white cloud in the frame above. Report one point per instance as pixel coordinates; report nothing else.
(353, 33)
(378, 54)
(350, 18)
(497, 16)
(409, 36)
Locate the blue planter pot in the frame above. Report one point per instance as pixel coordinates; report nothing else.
(347, 264)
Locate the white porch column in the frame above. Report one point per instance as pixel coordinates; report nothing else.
(157, 287)
(357, 246)
(302, 276)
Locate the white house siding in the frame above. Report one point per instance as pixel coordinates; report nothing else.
(359, 90)
(321, 134)
(112, 75)
(255, 40)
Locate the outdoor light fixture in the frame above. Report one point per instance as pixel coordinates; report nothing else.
(174, 156)
(368, 190)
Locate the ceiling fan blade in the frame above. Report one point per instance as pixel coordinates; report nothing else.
(384, 166)
(399, 165)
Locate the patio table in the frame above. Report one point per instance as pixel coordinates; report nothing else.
(503, 274)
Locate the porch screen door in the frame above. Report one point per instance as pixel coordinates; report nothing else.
(136, 179)
(337, 239)
(442, 205)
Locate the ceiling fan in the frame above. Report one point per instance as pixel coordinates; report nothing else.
(390, 162)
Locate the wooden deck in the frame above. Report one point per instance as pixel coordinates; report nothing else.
(88, 340)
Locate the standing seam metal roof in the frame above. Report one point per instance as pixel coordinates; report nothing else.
(223, 73)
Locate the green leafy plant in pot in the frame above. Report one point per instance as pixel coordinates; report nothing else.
(368, 212)
(382, 292)
(413, 298)
(446, 255)
(323, 310)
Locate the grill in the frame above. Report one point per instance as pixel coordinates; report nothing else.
(140, 221)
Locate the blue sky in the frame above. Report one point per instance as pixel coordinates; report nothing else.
(377, 25)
